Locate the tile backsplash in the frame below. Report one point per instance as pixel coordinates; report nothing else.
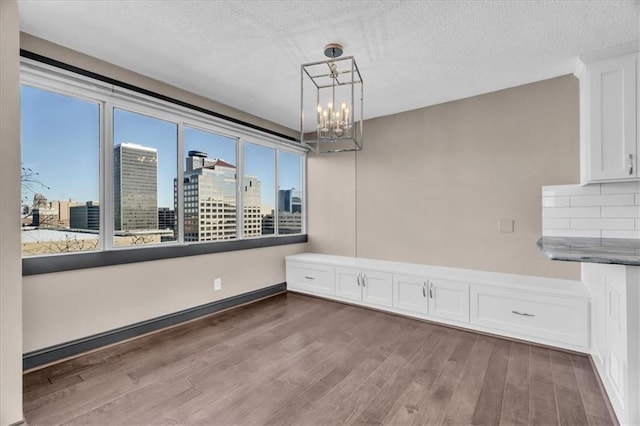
(605, 210)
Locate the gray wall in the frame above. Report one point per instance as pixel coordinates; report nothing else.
(431, 184)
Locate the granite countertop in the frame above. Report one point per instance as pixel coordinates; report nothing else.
(620, 251)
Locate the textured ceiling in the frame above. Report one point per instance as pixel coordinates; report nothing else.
(247, 54)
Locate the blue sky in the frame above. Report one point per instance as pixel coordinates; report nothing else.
(60, 137)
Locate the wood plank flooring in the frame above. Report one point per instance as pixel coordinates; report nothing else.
(293, 359)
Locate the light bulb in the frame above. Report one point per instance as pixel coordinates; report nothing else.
(344, 105)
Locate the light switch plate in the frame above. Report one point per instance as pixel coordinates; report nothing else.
(505, 225)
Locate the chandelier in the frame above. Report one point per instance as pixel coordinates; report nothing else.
(331, 100)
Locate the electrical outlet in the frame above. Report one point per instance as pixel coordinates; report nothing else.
(217, 284)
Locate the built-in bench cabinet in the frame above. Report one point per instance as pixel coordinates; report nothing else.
(542, 310)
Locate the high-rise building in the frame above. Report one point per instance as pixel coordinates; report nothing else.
(289, 211)
(210, 200)
(166, 218)
(288, 223)
(290, 200)
(135, 192)
(268, 223)
(85, 216)
(252, 201)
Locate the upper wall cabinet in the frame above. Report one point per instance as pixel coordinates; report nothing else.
(609, 114)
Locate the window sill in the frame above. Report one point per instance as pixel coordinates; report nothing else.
(69, 262)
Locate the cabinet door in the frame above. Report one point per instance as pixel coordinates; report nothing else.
(377, 288)
(410, 293)
(594, 275)
(616, 341)
(612, 130)
(449, 300)
(348, 284)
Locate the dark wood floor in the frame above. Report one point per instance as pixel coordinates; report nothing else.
(294, 359)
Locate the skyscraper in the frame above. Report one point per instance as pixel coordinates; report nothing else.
(210, 200)
(135, 192)
(290, 200)
(166, 218)
(289, 211)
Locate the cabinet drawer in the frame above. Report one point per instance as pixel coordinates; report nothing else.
(546, 317)
(310, 277)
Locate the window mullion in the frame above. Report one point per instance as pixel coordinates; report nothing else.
(303, 191)
(240, 185)
(276, 208)
(106, 188)
(179, 205)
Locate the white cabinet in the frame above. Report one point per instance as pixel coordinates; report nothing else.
(410, 294)
(370, 287)
(615, 355)
(528, 314)
(348, 284)
(616, 335)
(310, 277)
(431, 297)
(543, 310)
(449, 300)
(609, 116)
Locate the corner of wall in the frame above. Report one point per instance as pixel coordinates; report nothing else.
(10, 257)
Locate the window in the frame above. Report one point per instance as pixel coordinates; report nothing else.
(144, 171)
(210, 179)
(289, 193)
(258, 190)
(60, 173)
(107, 168)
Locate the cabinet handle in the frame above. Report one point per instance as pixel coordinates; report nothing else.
(358, 279)
(364, 280)
(430, 290)
(524, 314)
(424, 292)
(309, 278)
(630, 164)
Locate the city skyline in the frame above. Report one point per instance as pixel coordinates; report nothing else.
(60, 143)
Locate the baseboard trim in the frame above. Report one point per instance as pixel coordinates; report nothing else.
(76, 347)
